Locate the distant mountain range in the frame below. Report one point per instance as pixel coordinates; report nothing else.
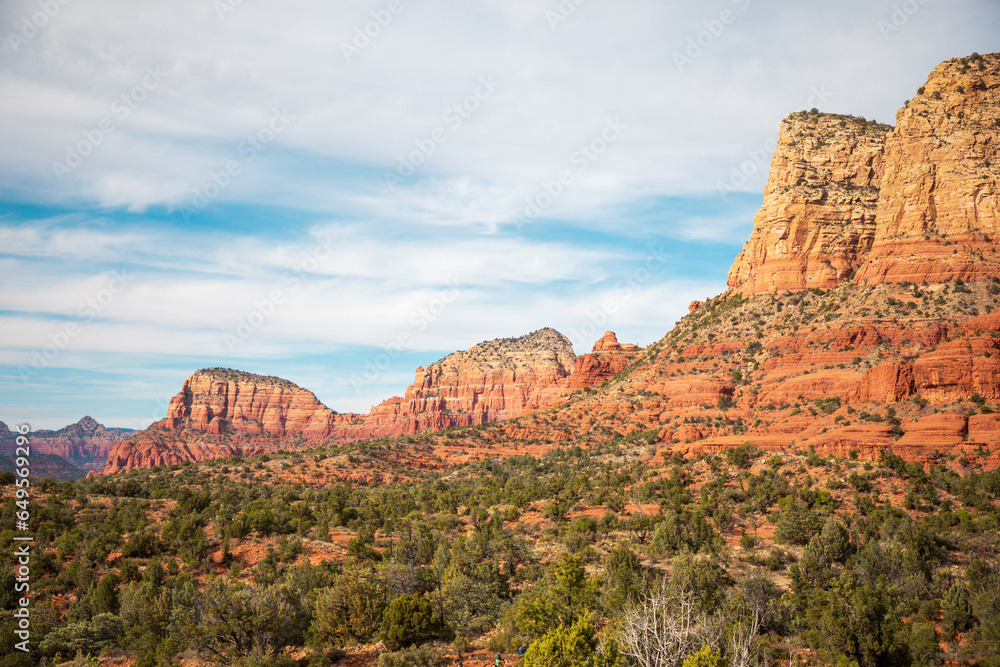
(83, 445)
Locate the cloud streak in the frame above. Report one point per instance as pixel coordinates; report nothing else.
(165, 99)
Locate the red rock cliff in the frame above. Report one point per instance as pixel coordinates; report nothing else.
(221, 412)
(490, 381)
(939, 212)
(607, 358)
(220, 400)
(818, 216)
(917, 203)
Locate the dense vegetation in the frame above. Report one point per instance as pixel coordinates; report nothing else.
(601, 556)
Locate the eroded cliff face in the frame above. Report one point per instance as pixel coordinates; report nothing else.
(915, 203)
(220, 400)
(220, 412)
(491, 381)
(939, 212)
(817, 221)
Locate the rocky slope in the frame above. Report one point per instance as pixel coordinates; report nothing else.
(848, 372)
(43, 465)
(84, 444)
(914, 203)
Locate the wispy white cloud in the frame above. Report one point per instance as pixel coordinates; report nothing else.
(156, 103)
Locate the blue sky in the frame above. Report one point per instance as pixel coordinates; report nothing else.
(336, 193)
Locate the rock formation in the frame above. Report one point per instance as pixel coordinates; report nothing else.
(220, 400)
(817, 221)
(939, 204)
(917, 204)
(489, 382)
(221, 412)
(829, 339)
(606, 359)
(84, 444)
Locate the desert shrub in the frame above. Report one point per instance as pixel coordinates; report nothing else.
(796, 523)
(86, 636)
(409, 619)
(413, 656)
(742, 456)
(350, 609)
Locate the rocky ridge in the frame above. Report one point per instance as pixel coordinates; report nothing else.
(221, 412)
(84, 444)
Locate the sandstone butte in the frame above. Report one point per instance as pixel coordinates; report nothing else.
(914, 203)
(863, 314)
(221, 412)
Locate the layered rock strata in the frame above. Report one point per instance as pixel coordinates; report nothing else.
(939, 204)
(915, 203)
(606, 359)
(221, 412)
(489, 382)
(817, 221)
(220, 400)
(84, 444)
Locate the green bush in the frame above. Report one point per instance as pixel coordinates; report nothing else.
(409, 619)
(742, 456)
(86, 636)
(351, 608)
(706, 657)
(414, 656)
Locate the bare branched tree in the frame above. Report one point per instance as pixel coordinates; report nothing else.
(670, 623)
(744, 622)
(665, 627)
